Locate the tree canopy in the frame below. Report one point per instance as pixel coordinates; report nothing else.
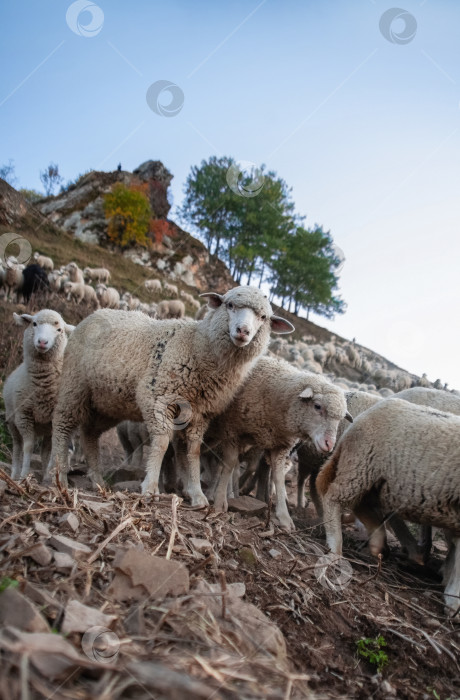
(245, 215)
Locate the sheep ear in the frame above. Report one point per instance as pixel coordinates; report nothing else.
(69, 328)
(214, 300)
(307, 393)
(349, 417)
(280, 325)
(23, 319)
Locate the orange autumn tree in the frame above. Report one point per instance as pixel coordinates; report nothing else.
(128, 213)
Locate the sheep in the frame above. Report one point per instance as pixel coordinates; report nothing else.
(191, 300)
(310, 459)
(90, 296)
(201, 313)
(403, 458)
(108, 297)
(152, 285)
(171, 308)
(46, 263)
(132, 302)
(74, 272)
(31, 389)
(13, 279)
(171, 289)
(97, 274)
(75, 291)
(124, 365)
(34, 280)
(275, 407)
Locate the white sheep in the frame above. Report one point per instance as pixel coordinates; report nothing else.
(13, 279)
(171, 374)
(108, 297)
(133, 436)
(274, 408)
(171, 308)
(170, 289)
(74, 272)
(80, 292)
(152, 285)
(132, 302)
(30, 391)
(44, 261)
(97, 274)
(397, 458)
(310, 460)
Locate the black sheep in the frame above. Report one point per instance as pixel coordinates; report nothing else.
(35, 280)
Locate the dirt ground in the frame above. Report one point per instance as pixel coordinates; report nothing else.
(290, 631)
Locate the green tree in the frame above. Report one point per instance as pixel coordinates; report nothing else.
(128, 213)
(305, 274)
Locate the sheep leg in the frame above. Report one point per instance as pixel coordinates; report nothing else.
(425, 542)
(374, 525)
(89, 436)
(17, 456)
(264, 479)
(236, 482)
(26, 429)
(333, 524)
(404, 535)
(126, 445)
(249, 478)
(301, 479)
(314, 495)
(45, 450)
(193, 486)
(277, 461)
(180, 461)
(228, 462)
(452, 576)
(137, 446)
(158, 447)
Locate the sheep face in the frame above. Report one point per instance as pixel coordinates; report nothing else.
(45, 329)
(248, 309)
(318, 416)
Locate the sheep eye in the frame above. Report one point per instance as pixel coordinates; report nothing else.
(264, 318)
(230, 305)
(59, 330)
(317, 406)
(35, 323)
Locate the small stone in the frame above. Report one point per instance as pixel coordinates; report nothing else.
(63, 560)
(132, 486)
(79, 618)
(246, 505)
(138, 572)
(69, 546)
(16, 610)
(432, 622)
(97, 506)
(41, 529)
(275, 553)
(41, 554)
(238, 590)
(232, 564)
(387, 688)
(200, 545)
(71, 520)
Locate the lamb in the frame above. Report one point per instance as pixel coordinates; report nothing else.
(435, 398)
(275, 407)
(97, 274)
(81, 292)
(46, 263)
(108, 297)
(403, 458)
(124, 365)
(171, 308)
(152, 285)
(74, 272)
(171, 289)
(132, 302)
(30, 391)
(191, 300)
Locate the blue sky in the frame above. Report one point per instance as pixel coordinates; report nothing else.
(366, 130)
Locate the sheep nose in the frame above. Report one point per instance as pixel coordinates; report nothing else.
(242, 330)
(42, 343)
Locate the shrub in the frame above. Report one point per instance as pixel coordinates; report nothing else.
(128, 213)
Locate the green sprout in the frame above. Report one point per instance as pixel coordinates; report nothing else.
(371, 649)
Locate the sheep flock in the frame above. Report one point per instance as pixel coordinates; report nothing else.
(213, 406)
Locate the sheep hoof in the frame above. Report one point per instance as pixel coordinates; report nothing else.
(284, 522)
(198, 499)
